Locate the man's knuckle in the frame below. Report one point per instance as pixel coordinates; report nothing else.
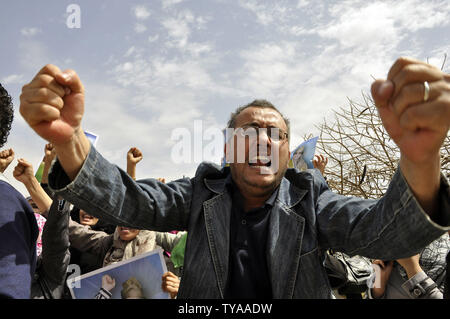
(48, 68)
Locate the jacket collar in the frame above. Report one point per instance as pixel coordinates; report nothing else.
(288, 194)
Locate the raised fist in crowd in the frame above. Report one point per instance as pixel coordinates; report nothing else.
(134, 155)
(49, 153)
(6, 157)
(53, 104)
(23, 171)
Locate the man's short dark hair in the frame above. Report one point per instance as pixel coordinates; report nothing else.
(261, 104)
(6, 115)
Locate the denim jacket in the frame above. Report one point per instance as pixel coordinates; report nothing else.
(306, 219)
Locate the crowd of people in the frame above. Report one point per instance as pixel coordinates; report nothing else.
(69, 235)
(244, 234)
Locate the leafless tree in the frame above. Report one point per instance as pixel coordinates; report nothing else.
(362, 156)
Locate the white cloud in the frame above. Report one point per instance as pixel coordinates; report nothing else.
(383, 25)
(169, 3)
(178, 30)
(29, 32)
(302, 3)
(268, 69)
(266, 13)
(153, 38)
(141, 12)
(139, 28)
(130, 51)
(33, 55)
(12, 79)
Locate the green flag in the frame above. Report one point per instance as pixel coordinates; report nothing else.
(177, 253)
(39, 171)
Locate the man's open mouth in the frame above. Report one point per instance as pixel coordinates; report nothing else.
(260, 161)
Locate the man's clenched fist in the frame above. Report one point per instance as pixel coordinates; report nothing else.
(53, 104)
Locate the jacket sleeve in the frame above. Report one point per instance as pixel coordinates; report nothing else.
(389, 228)
(167, 240)
(421, 286)
(87, 240)
(110, 194)
(55, 243)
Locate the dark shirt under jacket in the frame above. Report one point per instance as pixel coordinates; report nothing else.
(248, 272)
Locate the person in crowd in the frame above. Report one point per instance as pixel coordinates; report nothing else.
(41, 220)
(24, 173)
(86, 260)
(421, 276)
(6, 157)
(52, 265)
(125, 243)
(242, 219)
(170, 284)
(134, 156)
(18, 227)
(49, 277)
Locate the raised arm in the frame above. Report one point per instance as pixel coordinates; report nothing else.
(49, 156)
(414, 106)
(134, 156)
(53, 105)
(23, 172)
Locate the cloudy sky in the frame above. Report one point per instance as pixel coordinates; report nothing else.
(151, 67)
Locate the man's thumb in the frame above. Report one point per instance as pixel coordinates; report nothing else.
(382, 91)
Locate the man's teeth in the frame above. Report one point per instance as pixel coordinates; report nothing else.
(260, 161)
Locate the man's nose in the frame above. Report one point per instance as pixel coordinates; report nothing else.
(263, 138)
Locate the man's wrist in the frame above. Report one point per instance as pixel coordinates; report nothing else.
(412, 271)
(423, 180)
(72, 154)
(29, 181)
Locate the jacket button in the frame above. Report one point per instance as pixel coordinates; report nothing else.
(244, 222)
(417, 292)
